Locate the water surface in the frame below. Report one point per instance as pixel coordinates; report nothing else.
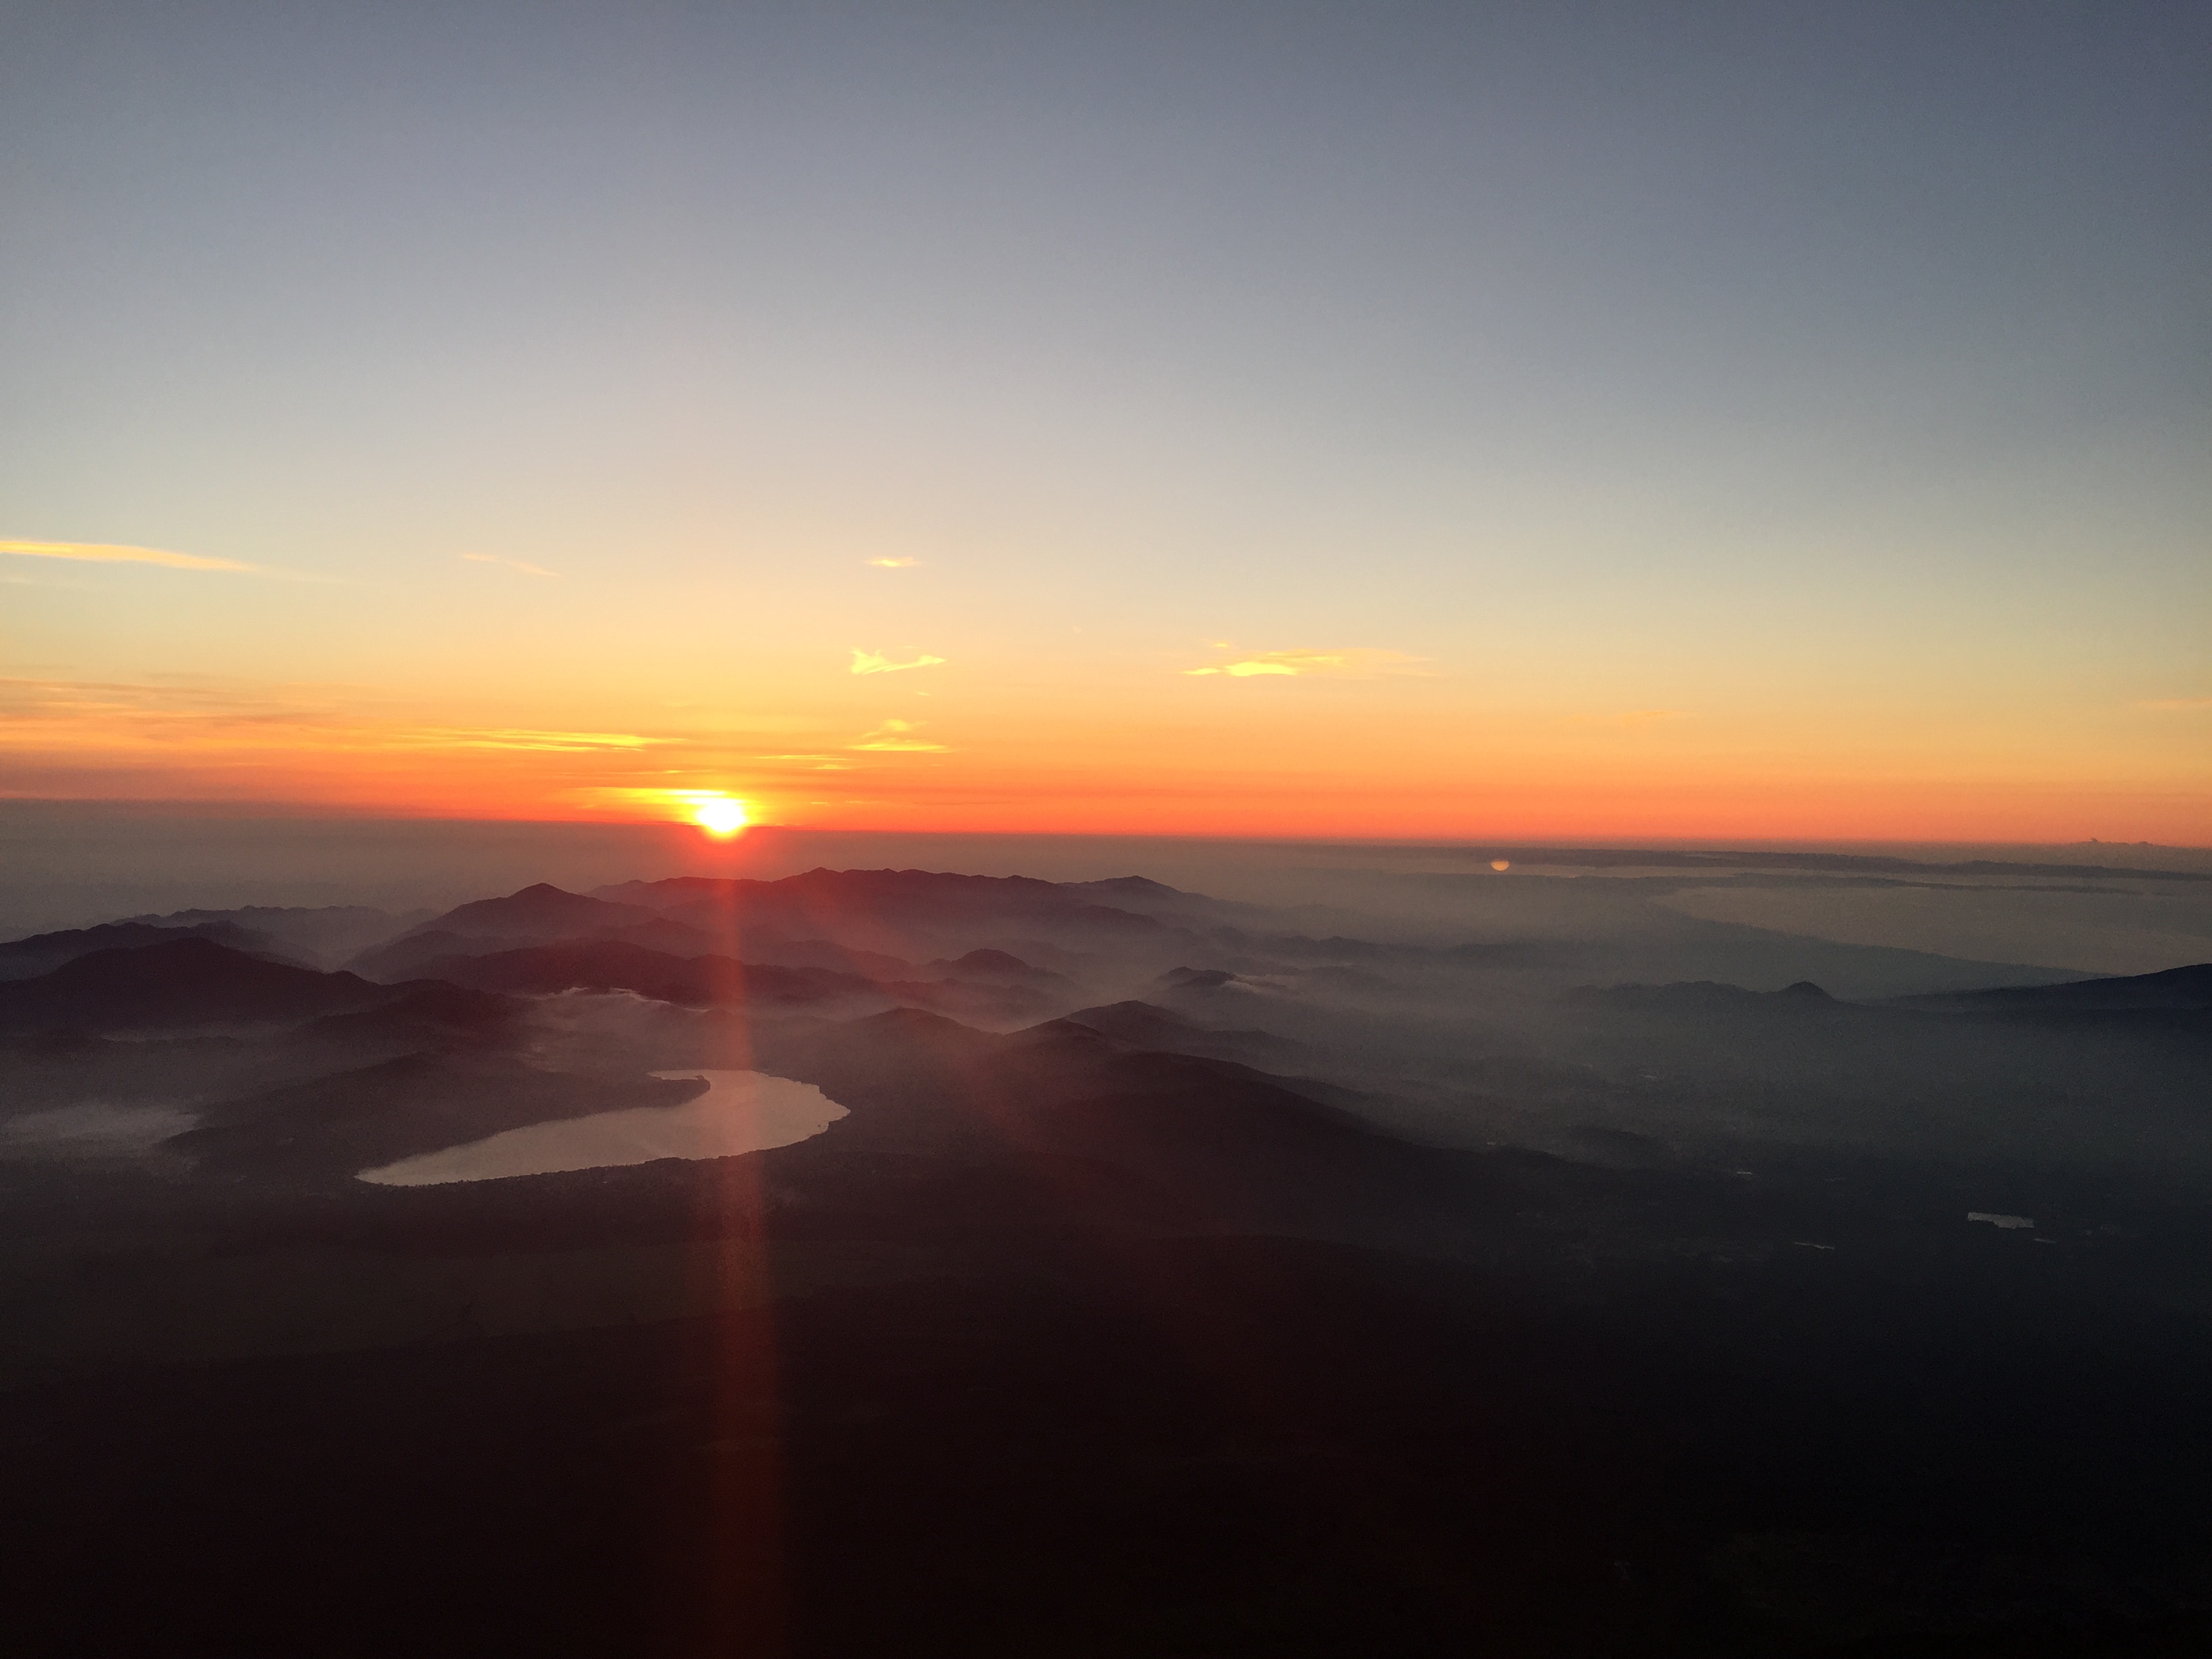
(740, 1112)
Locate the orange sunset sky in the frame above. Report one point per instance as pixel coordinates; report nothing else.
(1483, 427)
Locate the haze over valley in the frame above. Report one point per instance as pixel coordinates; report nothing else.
(788, 1190)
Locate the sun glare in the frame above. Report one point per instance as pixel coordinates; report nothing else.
(721, 816)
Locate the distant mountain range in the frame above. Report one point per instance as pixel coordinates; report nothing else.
(806, 941)
(176, 983)
(28, 958)
(542, 939)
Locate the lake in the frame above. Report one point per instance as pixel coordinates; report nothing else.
(740, 1112)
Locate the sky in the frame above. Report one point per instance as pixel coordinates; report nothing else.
(1377, 420)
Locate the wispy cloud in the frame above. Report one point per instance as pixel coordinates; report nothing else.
(108, 553)
(2177, 705)
(894, 564)
(892, 737)
(223, 716)
(871, 662)
(527, 569)
(567, 743)
(1352, 662)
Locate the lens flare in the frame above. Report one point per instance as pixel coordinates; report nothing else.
(721, 816)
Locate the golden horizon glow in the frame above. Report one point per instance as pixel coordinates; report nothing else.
(1389, 757)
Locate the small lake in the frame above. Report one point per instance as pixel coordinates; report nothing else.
(740, 1112)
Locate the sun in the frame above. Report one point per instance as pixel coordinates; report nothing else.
(720, 815)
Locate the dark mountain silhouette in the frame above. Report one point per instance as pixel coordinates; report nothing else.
(539, 908)
(2175, 990)
(994, 1002)
(1147, 1025)
(26, 958)
(331, 1128)
(1076, 1123)
(540, 911)
(188, 982)
(411, 955)
(1196, 978)
(709, 981)
(404, 958)
(768, 944)
(611, 965)
(989, 964)
(430, 1013)
(322, 935)
(1705, 996)
(870, 906)
(1157, 900)
(678, 939)
(1131, 889)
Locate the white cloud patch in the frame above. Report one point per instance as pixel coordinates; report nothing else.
(894, 564)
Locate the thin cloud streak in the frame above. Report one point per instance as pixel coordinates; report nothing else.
(571, 743)
(894, 564)
(523, 565)
(96, 716)
(872, 662)
(890, 738)
(111, 553)
(1351, 663)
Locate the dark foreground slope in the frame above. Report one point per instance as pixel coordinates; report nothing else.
(1088, 1338)
(1100, 1444)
